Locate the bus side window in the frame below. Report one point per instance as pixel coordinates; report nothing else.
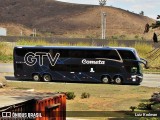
(63, 53)
(20, 52)
(111, 54)
(78, 53)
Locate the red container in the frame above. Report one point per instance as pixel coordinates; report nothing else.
(50, 108)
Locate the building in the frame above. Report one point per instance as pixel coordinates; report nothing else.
(3, 31)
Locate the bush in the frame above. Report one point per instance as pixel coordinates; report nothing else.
(145, 118)
(70, 95)
(122, 37)
(156, 107)
(114, 37)
(146, 106)
(136, 37)
(142, 106)
(85, 95)
(133, 108)
(155, 97)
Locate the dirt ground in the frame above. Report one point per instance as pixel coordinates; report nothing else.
(3, 81)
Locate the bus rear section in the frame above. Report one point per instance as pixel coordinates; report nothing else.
(77, 64)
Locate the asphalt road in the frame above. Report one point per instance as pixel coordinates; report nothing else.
(150, 80)
(6, 67)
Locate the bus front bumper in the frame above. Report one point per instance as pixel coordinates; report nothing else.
(136, 78)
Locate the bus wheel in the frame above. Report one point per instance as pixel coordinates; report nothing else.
(36, 77)
(106, 80)
(118, 80)
(47, 78)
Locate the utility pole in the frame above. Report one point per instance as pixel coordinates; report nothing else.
(103, 18)
(21, 33)
(104, 25)
(34, 32)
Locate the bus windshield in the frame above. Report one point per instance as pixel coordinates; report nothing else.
(127, 55)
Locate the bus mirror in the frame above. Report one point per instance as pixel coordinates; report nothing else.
(146, 66)
(143, 61)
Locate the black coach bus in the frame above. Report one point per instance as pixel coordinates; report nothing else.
(78, 64)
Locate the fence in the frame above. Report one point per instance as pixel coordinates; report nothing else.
(88, 41)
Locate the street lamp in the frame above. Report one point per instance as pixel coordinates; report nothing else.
(103, 18)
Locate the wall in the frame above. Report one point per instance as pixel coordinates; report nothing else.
(3, 31)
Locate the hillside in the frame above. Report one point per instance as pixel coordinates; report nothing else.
(53, 18)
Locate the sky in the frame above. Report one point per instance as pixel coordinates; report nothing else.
(151, 8)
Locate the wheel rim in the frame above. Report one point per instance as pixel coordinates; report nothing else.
(36, 77)
(105, 80)
(47, 78)
(118, 80)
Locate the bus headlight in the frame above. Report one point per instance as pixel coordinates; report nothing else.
(133, 78)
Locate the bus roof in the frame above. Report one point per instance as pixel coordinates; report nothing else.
(76, 47)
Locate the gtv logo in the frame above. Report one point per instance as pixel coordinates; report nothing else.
(31, 58)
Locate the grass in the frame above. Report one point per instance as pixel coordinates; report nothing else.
(6, 52)
(114, 43)
(103, 97)
(32, 42)
(142, 49)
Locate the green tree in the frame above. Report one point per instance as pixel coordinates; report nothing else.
(142, 13)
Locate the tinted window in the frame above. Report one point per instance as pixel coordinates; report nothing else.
(73, 53)
(110, 54)
(20, 52)
(77, 53)
(63, 53)
(127, 54)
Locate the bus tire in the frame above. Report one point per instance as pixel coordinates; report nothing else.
(118, 80)
(47, 78)
(36, 77)
(106, 80)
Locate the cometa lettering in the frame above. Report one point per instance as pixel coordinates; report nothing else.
(96, 62)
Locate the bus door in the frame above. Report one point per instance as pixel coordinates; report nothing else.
(89, 73)
(76, 73)
(80, 72)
